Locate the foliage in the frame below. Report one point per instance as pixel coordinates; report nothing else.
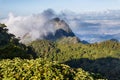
(43, 48)
(64, 52)
(108, 67)
(10, 46)
(72, 54)
(39, 69)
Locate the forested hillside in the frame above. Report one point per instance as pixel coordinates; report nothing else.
(103, 57)
(75, 61)
(64, 51)
(10, 46)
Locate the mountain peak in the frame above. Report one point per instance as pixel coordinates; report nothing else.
(60, 24)
(59, 29)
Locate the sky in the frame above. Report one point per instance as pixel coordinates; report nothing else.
(26, 7)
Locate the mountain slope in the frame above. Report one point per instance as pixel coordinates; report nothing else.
(59, 29)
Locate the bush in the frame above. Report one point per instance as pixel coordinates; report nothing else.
(19, 69)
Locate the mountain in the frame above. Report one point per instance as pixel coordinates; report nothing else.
(59, 29)
(69, 40)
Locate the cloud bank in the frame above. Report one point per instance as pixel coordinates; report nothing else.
(33, 24)
(92, 27)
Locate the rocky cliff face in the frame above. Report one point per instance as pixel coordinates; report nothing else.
(59, 29)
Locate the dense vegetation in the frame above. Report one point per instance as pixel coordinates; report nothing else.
(63, 52)
(10, 46)
(99, 58)
(103, 58)
(19, 69)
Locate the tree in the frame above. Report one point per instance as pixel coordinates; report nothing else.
(10, 46)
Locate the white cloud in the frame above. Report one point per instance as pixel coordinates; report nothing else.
(33, 24)
(83, 26)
